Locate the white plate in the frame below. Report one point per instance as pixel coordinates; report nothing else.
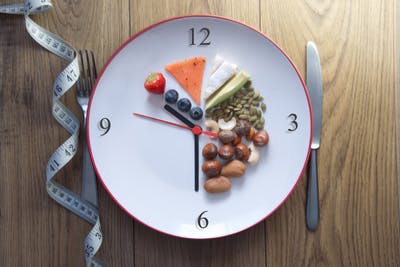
(147, 167)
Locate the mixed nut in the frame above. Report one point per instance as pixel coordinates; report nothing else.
(233, 153)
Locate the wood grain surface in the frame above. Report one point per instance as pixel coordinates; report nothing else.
(359, 158)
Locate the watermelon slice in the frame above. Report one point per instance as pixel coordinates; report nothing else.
(189, 74)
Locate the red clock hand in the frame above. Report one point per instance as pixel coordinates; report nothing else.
(196, 129)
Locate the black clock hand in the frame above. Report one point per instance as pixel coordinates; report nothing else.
(196, 142)
(178, 115)
(196, 162)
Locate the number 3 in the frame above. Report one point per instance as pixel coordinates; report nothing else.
(294, 123)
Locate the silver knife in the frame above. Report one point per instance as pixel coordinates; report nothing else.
(314, 85)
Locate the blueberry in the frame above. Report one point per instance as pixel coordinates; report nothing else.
(196, 113)
(171, 96)
(184, 104)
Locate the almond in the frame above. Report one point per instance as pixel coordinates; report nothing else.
(234, 168)
(217, 184)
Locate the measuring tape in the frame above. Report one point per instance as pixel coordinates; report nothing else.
(64, 153)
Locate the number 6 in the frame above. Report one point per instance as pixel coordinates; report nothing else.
(202, 222)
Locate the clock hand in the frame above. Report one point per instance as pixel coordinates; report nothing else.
(196, 162)
(178, 115)
(196, 142)
(196, 129)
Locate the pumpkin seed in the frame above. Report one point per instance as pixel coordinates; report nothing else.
(263, 106)
(253, 118)
(258, 126)
(243, 117)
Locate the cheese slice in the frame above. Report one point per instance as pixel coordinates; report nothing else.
(221, 73)
(189, 74)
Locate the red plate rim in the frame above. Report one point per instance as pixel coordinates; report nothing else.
(197, 16)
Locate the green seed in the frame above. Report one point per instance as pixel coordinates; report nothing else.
(263, 106)
(218, 114)
(253, 118)
(243, 117)
(247, 84)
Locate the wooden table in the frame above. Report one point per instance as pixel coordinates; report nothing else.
(359, 159)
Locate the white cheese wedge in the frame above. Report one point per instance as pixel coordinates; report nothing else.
(218, 60)
(219, 76)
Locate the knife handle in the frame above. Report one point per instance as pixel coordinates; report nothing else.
(312, 208)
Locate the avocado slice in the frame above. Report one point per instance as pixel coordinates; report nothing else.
(228, 89)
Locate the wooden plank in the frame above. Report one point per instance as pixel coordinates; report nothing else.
(35, 231)
(155, 249)
(158, 10)
(359, 181)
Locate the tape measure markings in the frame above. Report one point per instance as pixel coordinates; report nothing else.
(66, 151)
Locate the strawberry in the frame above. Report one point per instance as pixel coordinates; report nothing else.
(155, 83)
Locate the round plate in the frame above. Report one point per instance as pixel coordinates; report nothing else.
(148, 167)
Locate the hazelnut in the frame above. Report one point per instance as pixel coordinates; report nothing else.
(210, 151)
(237, 139)
(250, 134)
(242, 152)
(242, 127)
(226, 152)
(211, 168)
(226, 136)
(260, 138)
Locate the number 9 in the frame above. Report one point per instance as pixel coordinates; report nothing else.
(105, 125)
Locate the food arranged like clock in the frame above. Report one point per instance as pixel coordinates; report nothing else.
(199, 127)
(234, 113)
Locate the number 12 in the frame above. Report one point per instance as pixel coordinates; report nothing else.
(206, 33)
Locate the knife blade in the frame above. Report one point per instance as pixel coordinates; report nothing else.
(314, 86)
